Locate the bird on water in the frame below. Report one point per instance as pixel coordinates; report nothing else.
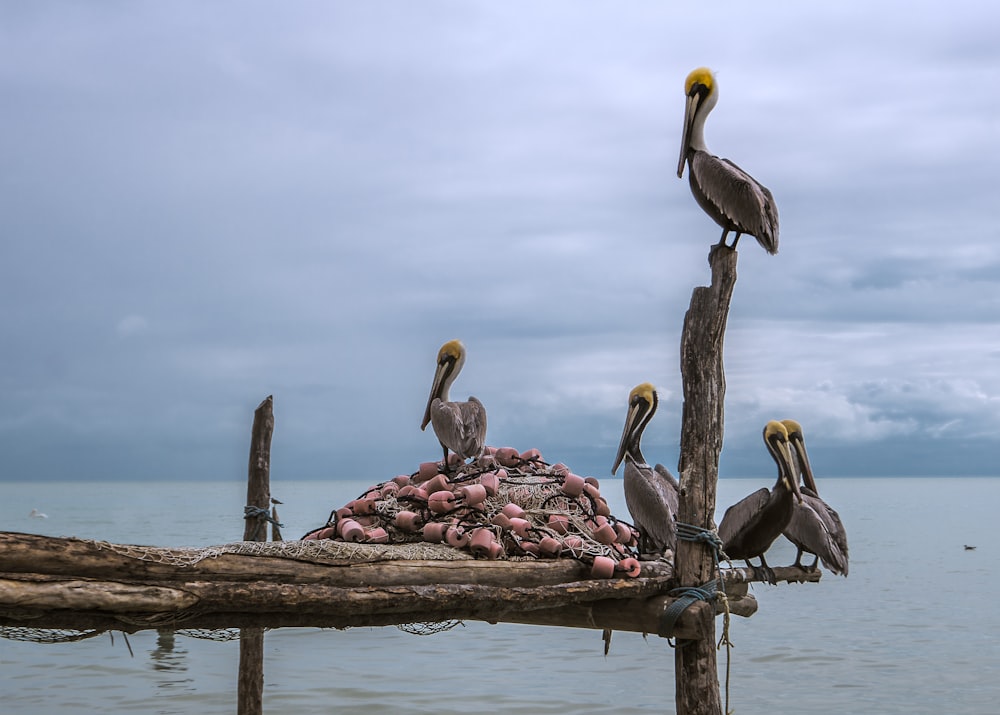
(650, 493)
(751, 525)
(730, 196)
(815, 526)
(459, 426)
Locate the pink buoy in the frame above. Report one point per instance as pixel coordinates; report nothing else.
(366, 520)
(559, 523)
(606, 534)
(441, 502)
(513, 511)
(500, 519)
(624, 533)
(402, 480)
(426, 470)
(591, 489)
(601, 507)
(344, 512)
(573, 545)
(455, 461)
(496, 550)
(486, 461)
(408, 521)
(412, 492)
(350, 530)
(473, 494)
(531, 455)
(631, 567)
(438, 483)
(480, 542)
(508, 456)
(433, 532)
(549, 546)
(457, 536)
(490, 482)
(520, 526)
(389, 489)
(559, 469)
(604, 567)
(593, 481)
(378, 535)
(573, 485)
(361, 507)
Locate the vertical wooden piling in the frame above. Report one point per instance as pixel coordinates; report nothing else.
(250, 687)
(695, 664)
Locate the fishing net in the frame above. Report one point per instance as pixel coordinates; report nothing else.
(504, 505)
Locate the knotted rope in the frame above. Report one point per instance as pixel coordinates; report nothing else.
(263, 515)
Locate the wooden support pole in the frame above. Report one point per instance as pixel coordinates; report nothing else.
(703, 375)
(250, 686)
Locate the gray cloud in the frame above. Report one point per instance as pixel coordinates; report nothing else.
(205, 205)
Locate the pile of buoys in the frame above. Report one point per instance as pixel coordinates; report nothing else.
(505, 504)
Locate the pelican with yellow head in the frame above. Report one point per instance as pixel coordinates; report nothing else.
(459, 426)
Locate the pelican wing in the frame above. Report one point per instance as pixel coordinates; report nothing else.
(739, 518)
(648, 502)
(460, 426)
(809, 529)
(736, 197)
(668, 486)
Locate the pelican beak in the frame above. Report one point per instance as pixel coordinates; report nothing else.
(803, 459)
(634, 417)
(690, 109)
(789, 465)
(439, 377)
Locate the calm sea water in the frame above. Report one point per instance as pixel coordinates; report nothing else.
(914, 629)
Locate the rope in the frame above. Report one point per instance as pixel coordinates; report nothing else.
(263, 516)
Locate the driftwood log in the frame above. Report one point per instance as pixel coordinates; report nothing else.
(702, 425)
(49, 582)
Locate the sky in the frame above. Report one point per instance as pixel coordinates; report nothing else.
(203, 204)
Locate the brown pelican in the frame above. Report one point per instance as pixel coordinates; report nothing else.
(459, 426)
(651, 494)
(734, 199)
(815, 526)
(751, 525)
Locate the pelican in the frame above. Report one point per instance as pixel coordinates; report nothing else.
(751, 525)
(815, 526)
(734, 199)
(651, 494)
(459, 426)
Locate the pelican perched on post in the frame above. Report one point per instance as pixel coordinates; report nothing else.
(734, 199)
(651, 494)
(751, 525)
(459, 426)
(815, 526)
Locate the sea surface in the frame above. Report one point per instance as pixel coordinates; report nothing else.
(914, 629)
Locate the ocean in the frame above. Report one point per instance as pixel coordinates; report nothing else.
(913, 629)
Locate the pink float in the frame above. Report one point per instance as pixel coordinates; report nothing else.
(508, 456)
(457, 536)
(573, 485)
(433, 532)
(480, 542)
(606, 534)
(426, 470)
(631, 567)
(350, 530)
(441, 502)
(408, 521)
(549, 546)
(513, 511)
(604, 567)
(490, 482)
(473, 494)
(520, 526)
(378, 535)
(559, 523)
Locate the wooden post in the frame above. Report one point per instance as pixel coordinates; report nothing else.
(250, 687)
(696, 674)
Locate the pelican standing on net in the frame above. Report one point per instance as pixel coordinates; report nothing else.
(751, 525)
(734, 199)
(815, 527)
(459, 426)
(650, 493)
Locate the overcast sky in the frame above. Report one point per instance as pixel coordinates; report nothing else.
(206, 203)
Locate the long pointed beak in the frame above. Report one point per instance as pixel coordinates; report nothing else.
(631, 420)
(789, 464)
(690, 107)
(803, 458)
(435, 392)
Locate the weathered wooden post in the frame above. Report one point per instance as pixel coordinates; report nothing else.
(250, 687)
(696, 674)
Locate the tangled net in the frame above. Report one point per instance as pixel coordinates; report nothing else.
(504, 505)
